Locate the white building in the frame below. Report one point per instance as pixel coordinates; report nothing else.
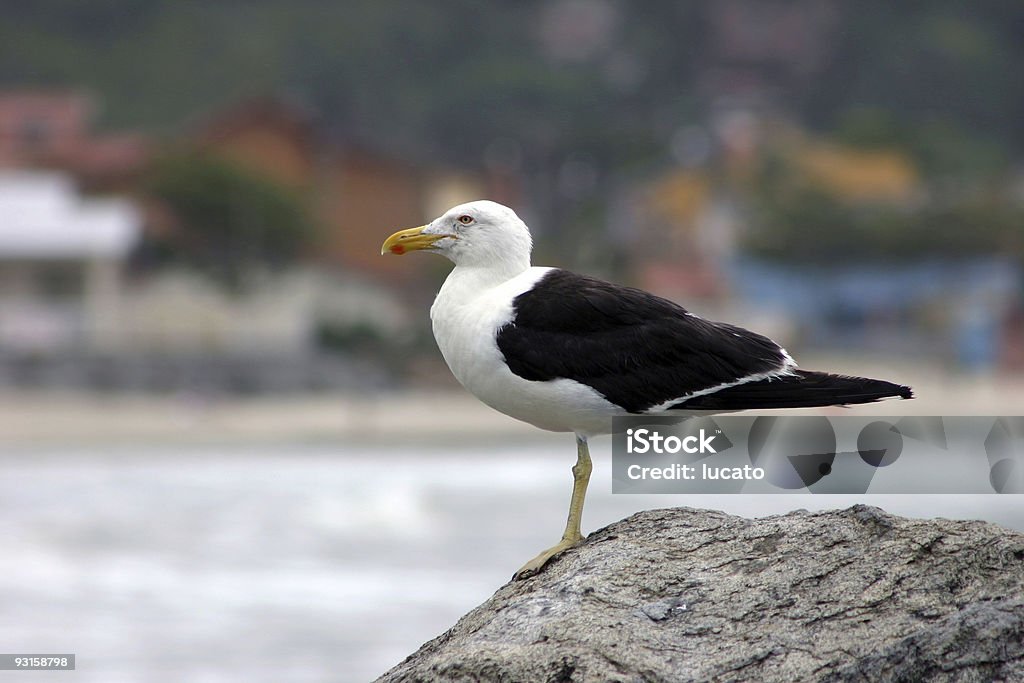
(61, 259)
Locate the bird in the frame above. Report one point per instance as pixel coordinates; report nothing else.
(566, 352)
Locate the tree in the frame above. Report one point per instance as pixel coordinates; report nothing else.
(223, 220)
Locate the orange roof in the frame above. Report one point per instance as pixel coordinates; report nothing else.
(859, 175)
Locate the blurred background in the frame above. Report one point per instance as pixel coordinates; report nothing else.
(229, 449)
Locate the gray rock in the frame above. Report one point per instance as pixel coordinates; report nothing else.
(698, 595)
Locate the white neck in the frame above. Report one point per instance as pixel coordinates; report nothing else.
(472, 280)
(502, 264)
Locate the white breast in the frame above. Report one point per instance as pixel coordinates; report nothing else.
(466, 316)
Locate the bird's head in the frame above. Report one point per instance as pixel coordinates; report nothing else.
(481, 233)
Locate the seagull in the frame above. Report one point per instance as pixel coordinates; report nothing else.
(566, 352)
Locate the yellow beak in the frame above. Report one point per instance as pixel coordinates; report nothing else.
(412, 239)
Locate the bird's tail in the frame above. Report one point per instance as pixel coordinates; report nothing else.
(801, 389)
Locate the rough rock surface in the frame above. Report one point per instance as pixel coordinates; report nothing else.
(697, 595)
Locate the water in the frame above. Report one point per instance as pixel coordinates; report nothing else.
(297, 562)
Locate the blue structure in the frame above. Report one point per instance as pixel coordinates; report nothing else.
(950, 309)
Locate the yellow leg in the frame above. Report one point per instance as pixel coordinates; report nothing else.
(572, 536)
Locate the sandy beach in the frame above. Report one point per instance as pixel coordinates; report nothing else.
(401, 417)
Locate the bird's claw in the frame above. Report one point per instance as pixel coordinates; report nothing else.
(535, 565)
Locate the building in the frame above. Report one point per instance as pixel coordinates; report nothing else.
(54, 130)
(359, 194)
(61, 260)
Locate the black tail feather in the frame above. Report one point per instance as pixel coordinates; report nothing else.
(802, 389)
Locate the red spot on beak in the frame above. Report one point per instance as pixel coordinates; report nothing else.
(398, 249)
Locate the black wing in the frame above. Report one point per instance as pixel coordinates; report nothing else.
(801, 389)
(636, 349)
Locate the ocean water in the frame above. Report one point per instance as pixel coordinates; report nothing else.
(297, 562)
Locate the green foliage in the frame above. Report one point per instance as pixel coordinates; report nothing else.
(947, 62)
(807, 225)
(226, 220)
(448, 77)
(361, 337)
(939, 146)
(443, 80)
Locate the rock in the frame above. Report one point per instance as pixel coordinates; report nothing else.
(698, 595)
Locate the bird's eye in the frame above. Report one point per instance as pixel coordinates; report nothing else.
(465, 219)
